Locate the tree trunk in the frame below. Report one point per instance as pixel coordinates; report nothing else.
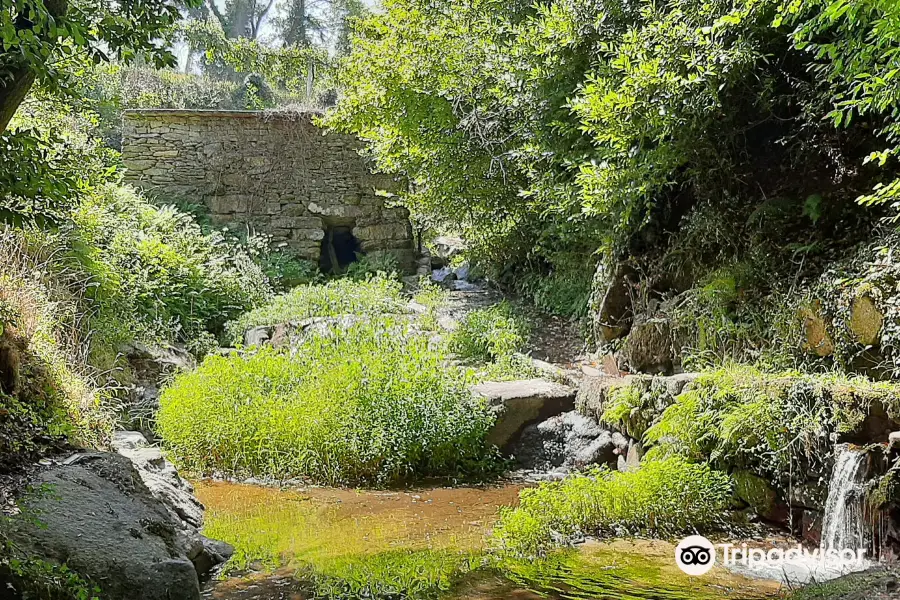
(310, 79)
(13, 92)
(21, 76)
(241, 19)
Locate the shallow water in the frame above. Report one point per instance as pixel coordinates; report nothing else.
(430, 543)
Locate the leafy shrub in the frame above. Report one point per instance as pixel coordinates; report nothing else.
(432, 296)
(371, 404)
(663, 497)
(740, 417)
(286, 271)
(564, 294)
(377, 295)
(158, 275)
(489, 334)
(565, 291)
(49, 160)
(624, 410)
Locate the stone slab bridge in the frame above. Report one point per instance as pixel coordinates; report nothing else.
(268, 172)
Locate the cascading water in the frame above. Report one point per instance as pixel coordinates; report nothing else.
(844, 529)
(843, 522)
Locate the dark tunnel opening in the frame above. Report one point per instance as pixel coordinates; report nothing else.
(339, 249)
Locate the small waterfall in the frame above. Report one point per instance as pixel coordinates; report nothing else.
(843, 523)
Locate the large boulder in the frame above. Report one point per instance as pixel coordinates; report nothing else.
(648, 347)
(94, 513)
(517, 404)
(160, 477)
(565, 442)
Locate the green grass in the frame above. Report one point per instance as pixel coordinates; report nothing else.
(662, 498)
(489, 334)
(373, 404)
(376, 295)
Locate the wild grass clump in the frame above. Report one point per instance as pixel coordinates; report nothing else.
(662, 498)
(47, 390)
(376, 295)
(489, 341)
(402, 573)
(489, 334)
(372, 404)
(372, 265)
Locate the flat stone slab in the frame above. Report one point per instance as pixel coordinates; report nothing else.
(518, 404)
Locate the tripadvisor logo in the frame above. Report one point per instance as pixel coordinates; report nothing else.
(695, 555)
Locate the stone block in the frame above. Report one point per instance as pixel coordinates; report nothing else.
(866, 320)
(815, 329)
(383, 231)
(518, 404)
(315, 235)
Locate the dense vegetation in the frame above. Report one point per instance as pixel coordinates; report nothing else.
(551, 131)
(730, 164)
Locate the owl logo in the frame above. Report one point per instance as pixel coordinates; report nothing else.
(695, 555)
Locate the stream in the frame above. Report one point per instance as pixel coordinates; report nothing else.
(426, 543)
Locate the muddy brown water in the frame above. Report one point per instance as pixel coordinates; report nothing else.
(428, 543)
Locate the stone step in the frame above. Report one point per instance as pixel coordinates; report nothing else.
(518, 404)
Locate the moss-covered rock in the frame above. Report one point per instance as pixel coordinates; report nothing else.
(876, 584)
(756, 492)
(649, 347)
(815, 327)
(866, 321)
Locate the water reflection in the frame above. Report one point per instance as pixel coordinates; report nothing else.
(429, 544)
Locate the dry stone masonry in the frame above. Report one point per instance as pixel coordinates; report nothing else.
(277, 173)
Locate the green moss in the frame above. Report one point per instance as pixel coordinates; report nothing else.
(741, 418)
(755, 491)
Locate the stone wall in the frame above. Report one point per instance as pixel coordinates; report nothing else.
(276, 173)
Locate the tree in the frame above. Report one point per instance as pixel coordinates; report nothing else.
(42, 39)
(323, 22)
(534, 126)
(241, 18)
